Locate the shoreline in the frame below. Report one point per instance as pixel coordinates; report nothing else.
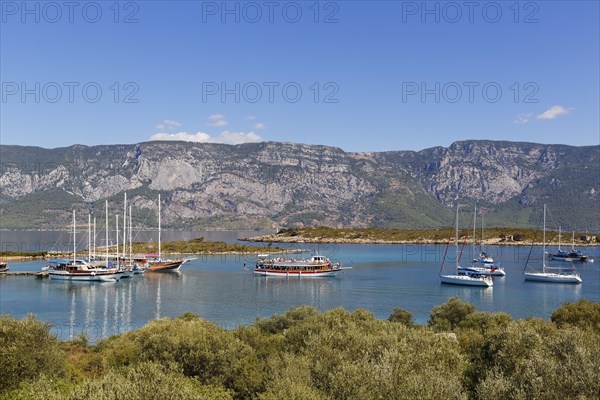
(487, 242)
(54, 256)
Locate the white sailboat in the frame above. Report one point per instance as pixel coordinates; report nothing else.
(484, 265)
(467, 278)
(547, 275)
(572, 255)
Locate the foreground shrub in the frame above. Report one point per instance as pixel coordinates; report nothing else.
(447, 316)
(533, 360)
(145, 381)
(27, 349)
(203, 350)
(356, 356)
(148, 381)
(402, 316)
(583, 314)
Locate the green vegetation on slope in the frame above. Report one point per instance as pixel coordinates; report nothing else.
(305, 354)
(199, 246)
(324, 233)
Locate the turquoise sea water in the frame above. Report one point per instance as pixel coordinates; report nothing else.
(219, 289)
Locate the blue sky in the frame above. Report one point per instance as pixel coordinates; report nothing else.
(373, 75)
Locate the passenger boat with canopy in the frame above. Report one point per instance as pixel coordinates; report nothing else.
(313, 267)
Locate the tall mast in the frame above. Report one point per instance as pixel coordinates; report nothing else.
(481, 247)
(117, 231)
(94, 236)
(130, 235)
(544, 243)
(124, 224)
(74, 241)
(159, 226)
(106, 233)
(573, 242)
(89, 236)
(456, 236)
(559, 238)
(474, 227)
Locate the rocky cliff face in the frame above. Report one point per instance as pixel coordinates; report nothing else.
(274, 184)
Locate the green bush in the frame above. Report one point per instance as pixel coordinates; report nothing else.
(583, 314)
(356, 356)
(447, 316)
(533, 360)
(401, 316)
(148, 381)
(307, 355)
(203, 350)
(27, 349)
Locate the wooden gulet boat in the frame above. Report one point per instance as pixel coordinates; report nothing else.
(314, 267)
(158, 264)
(81, 270)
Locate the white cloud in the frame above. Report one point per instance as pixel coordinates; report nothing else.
(522, 118)
(554, 112)
(238, 138)
(168, 124)
(225, 137)
(260, 125)
(250, 118)
(183, 136)
(217, 120)
(217, 123)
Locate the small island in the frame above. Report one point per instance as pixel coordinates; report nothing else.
(197, 246)
(493, 236)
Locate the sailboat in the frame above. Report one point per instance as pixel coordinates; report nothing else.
(483, 257)
(82, 270)
(158, 264)
(466, 278)
(572, 255)
(484, 265)
(561, 276)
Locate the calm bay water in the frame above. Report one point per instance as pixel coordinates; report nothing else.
(219, 289)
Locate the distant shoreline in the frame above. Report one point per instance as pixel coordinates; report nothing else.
(278, 238)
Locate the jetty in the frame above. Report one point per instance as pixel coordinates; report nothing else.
(39, 274)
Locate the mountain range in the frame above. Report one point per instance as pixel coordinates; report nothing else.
(271, 184)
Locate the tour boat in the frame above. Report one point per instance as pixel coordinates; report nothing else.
(3, 267)
(466, 278)
(313, 267)
(560, 276)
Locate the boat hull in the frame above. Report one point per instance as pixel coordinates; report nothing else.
(165, 266)
(482, 271)
(302, 274)
(88, 277)
(552, 278)
(465, 281)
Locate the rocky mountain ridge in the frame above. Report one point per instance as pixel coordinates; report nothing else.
(272, 184)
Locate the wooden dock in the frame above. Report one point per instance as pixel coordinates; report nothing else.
(39, 274)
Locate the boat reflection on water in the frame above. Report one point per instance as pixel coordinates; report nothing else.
(153, 285)
(95, 311)
(483, 296)
(319, 293)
